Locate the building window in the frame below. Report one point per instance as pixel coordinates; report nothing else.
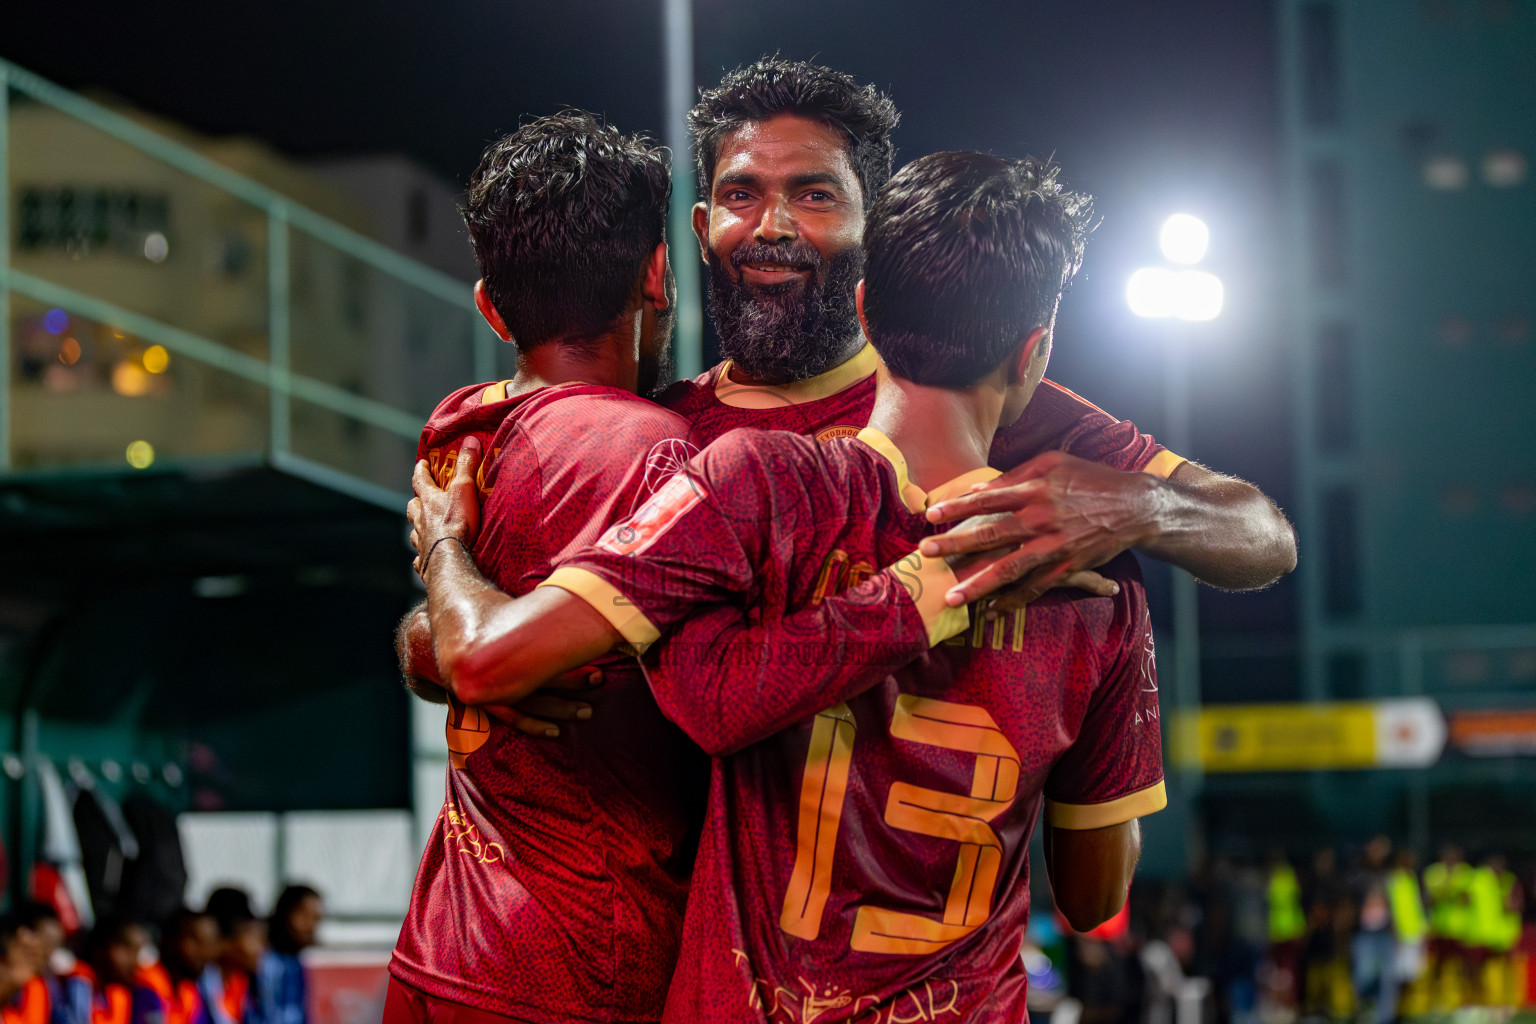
(80, 220)
(1320, 65)
(1334, 364)
(1330, 263)
(1341, 553)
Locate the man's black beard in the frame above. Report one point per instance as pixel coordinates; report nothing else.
(656, 374)
(782, 333)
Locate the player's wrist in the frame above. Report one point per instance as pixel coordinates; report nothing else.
(1154, 511)
(426, 562)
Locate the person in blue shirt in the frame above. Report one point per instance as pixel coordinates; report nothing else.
(281, 987)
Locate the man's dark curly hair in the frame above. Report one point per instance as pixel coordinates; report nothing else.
(562, 214)
(771, 86)
(964, 255)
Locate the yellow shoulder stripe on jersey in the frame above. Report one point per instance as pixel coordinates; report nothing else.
(912, 496)
(608, 602)
(927, 580)
(775, 396)
(1111, 812)
(495, 393)
(1164, 463)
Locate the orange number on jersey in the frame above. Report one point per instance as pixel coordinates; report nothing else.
(821, 809)
(960, 817)
(956, 816)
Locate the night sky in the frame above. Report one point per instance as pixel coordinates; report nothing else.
(1154, 106)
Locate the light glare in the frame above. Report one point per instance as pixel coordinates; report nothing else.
(156, 247)
(1186, 294)
(1150, 292)
(1198, 295)
(1184, 238)
(141, 454)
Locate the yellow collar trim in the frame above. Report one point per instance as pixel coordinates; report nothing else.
(775, 396)
(914, 497)
(495, 393)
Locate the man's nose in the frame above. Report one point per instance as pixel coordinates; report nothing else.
(777, 223)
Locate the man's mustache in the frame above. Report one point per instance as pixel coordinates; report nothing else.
(800, 255)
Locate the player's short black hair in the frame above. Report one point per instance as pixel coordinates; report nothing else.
(562, 214)
(965, 255)
(770, 86)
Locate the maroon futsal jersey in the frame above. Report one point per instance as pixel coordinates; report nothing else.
(870, 863)
(552, 887)
(838, 403)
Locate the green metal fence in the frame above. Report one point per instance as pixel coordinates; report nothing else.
(288, 335)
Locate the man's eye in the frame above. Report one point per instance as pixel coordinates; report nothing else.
(818, 196)
(737, 195)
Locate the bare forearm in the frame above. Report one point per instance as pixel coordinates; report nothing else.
(1223, 531)
(1090, 870)
(493, 648)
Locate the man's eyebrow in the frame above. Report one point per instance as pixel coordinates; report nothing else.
(736, 178)
(815, 178)
(747, 178)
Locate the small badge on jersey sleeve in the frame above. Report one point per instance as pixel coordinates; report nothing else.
(655, 517)
(841, 430)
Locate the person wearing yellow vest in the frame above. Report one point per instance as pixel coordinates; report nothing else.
(1410, 926)
(1287, 928)
(1490, 936)
(1448, 883)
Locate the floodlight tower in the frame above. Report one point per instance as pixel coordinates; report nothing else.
(1192, 295)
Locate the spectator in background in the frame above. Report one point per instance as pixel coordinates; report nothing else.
(100, 989)
(1493, 929)
(1410, 927)
(40, 936)
(1326, 988)
(1374, 943)
(1448, 884)
(18, 966)
(1287, 928)
(242, 940)
(169, 992)
(281, 984)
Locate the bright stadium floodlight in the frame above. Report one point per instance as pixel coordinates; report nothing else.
(1150, 292)
(1184, 238)
(1197, 295)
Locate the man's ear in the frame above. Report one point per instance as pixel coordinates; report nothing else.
(701, 228)
(487, 310)
(1037, 344)
(653, 285)
(858, 304)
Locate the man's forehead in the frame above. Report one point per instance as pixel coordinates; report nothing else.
(782, 146)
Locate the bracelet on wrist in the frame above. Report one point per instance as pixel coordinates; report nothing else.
(428, 560)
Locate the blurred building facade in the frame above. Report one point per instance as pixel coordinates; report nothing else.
(1409, 139)
(214, 363)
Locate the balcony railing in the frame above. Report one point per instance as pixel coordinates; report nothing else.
(159, 308)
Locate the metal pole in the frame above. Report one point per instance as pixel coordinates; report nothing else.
(5, 266)
(688, 339)
(1186, 597)
(278, 354)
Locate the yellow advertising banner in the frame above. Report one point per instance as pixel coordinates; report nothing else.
(1302, 737)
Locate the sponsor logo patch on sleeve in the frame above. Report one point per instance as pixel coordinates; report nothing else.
(655, 517)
